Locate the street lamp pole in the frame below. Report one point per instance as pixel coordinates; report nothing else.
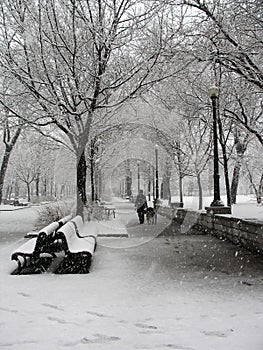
(149, 183)
(217, 205)
(138, 165)
(156, 172)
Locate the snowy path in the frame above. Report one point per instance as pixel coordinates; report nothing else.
(182, 293)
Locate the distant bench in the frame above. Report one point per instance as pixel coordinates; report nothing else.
(40, 243)
(108, 208)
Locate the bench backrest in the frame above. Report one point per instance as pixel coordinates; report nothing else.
(78, 221)
(67, 233)
(42, 242)
(54, 226)
(64, 220)
(49, 228)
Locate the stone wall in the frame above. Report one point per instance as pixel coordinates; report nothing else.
(247, 233)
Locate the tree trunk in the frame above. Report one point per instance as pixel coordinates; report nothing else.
(3, 169)
(16, 188)
(92, 171)
(241, 146)
(200, 191)
(7, 192)
(179, 159)
(225, 162)
(181, 188)
(45, 186)
(227, 182)
(169, 190)
(81, 184)
(92, 182)
(8, 149)
(28, 192)
(37, 184)
(235, 180)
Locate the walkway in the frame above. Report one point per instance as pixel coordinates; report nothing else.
(143, 292)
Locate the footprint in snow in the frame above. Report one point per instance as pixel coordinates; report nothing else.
(219, 334)
(145, 326)
(99, 339)
(8, 310)
(177, 347)
(17, 343)
(58, 320)
(24, 294)
(96, 314)
(52, 306)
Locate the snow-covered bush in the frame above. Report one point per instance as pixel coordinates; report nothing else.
(53, 212)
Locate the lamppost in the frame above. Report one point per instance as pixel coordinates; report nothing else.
(217, 206)
(138, 167)
(97, 179)
(149, 183)
(156, 172)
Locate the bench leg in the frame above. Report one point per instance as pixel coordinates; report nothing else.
(20, 265)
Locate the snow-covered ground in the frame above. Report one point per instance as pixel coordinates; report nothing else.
(183, 293)
(246, 206)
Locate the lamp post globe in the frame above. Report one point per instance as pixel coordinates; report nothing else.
(213, 91)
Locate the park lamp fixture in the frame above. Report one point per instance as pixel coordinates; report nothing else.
(213, 91)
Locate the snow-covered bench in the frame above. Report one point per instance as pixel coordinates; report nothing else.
(78, 241)
(42, 243)
(108, 208)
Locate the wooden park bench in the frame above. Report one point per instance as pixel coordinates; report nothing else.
(108, 208)
(78, 241)
(41, 243)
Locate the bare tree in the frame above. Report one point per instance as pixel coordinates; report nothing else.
(253, 170)
(26, 166)
(10, 132)
(235, 46)
(75, 57)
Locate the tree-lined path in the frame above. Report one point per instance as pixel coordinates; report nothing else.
(179, 292)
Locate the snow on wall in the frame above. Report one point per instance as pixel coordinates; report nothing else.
(246, 232)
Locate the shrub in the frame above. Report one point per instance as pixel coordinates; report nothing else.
(53, 212)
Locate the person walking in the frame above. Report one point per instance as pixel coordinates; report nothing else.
(140, 206)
